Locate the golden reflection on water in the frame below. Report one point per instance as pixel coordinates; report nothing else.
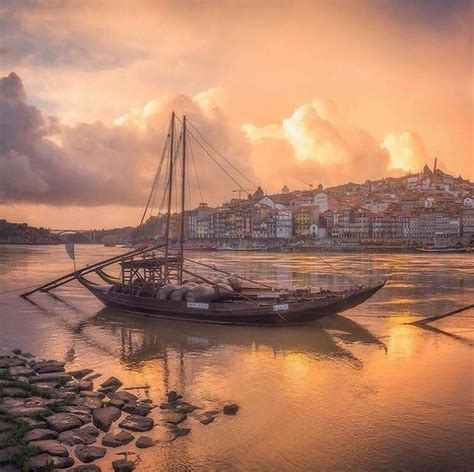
(363, 391)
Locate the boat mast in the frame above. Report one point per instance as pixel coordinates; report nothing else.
(170, 189)
(183, 187)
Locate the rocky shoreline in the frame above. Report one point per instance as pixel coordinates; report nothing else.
(52, 419)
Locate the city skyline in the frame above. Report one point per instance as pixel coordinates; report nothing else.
(326, 100)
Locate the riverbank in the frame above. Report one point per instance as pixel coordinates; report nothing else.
(50, 418)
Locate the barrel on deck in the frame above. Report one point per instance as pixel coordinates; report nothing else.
(164, 292)
(201, 293)
(179, 292)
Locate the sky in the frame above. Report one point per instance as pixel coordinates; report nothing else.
(288, 91)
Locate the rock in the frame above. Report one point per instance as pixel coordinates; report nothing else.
(79, 385)
(90, 402)
(137, 423)
(61, 377)
(40, 435)
(89, 429)
(111, 382)
(123, 465)
(84, 414)
(33, 423)
(9, 468)
(27, 355)
(104, 417)
(48, 367)
(52, 447)
(134, 409)
(14, 392)
(63, 421)
(207, 419)
(79, 374)
(167, 406)
(181, 431)
(107, 389)
(88, 454)
(7, 452)
(86, 468)
(89, 394)
(124, 396)
(116, 403)
(31, 411)
(92, 377)
(231, 409)
(17, 351)
(50, 391)
(21, 370)
(184, 407)
(173, 396)
(6, 362)
(145, 441)
(116, 439)
(45, 463)
(75, 437)
(173, 418)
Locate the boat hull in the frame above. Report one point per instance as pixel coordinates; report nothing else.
(240, 313)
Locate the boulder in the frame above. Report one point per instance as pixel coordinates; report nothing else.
(50, 446)
(89, 402)
(115, 402)
(45, 463)
(134, 409)
(14, 392)
(173, 418)
(86, 468)
(79, 374)
(137, 423)
(116, 439)
(181, 431)
(6, 362)
(231, 409)
(21, 370)
(40, 434)
(89, 394)
(63, 421)
(184, 407)
(17, 351)
(92, 377)
(88, 454)
(76, 437)
(79, 385)
(111, 382)
(173, 396)
(7, 452)
(84, 414)
(123, 465)
(104, 417)
(48, 367)
(32, 423)
(145, 441)
(31, 411)
(124, 396)
(60, 377)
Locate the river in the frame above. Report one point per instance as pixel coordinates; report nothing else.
(363, 391)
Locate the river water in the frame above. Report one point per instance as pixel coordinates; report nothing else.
(363, 391)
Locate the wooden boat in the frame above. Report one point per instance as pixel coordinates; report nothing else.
(159, 281)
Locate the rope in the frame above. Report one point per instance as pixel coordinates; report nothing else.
(349, 279)
(220, 155)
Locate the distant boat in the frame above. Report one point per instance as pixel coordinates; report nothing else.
(443, 249)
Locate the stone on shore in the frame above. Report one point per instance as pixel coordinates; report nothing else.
(184, 407)
(89, 394)
(78, 385)
(115, 402)
(133, 408)
(31, 411)
(7, 452)
(84, 414)
(145, 441)
(50, 446)
(40, 435)
(77, 437)
(14, 392)
(137, 423)
(111, 382)
(88, 454)
(86, 468)
(104, 417)
(123, 465)
(17, 351)
(63, 421)
(21, 370)
(7, 362)
(231, 409)
(32, 423)
(91, 402)
(49, 367)
(117, 439)
(181, 431)
(173, 396)
(55, 376)
(124, 396)
(45, 463)
(173, 418)
(79, 374)
(208, 416)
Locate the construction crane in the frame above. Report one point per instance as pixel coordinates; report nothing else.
(239, 191)
(310, 186)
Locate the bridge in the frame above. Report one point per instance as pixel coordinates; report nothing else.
(88, 234)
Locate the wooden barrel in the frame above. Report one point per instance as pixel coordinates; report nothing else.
(201, 293)
(165, 291)
(235, 283)
(179, 292)
(224, 292)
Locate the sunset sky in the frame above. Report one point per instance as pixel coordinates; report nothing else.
(319, 91)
